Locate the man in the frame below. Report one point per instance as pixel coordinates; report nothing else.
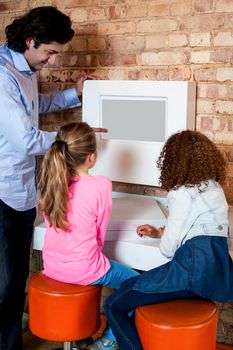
(32, 41)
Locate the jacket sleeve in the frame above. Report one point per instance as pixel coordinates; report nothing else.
(180, 219)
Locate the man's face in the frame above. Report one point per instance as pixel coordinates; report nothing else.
(45, 53)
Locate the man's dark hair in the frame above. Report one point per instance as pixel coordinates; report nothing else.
(45, 24)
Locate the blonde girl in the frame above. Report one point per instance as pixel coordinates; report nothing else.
(77, 208)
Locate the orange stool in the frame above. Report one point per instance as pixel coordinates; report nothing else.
(61, 311)
(178, 325)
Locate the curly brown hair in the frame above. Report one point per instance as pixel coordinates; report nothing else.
(188, 158)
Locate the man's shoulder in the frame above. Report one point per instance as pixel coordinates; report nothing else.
(4, 51)
(5, 57)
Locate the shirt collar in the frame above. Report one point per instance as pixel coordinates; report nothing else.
(20, 62)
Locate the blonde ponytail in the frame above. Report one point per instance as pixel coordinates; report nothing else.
(54, 186)
(73, 144)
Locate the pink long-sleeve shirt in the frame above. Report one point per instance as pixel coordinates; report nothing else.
(76, 256)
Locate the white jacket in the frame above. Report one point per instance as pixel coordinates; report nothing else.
(194, 212)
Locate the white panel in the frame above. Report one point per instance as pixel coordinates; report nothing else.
(128, 161)
(129, 153)
(130, 211)
(138, 256)
(142, 254)
(122, 243)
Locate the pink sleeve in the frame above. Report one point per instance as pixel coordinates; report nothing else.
(104, 213)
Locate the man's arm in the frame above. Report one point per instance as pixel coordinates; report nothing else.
(58, 101)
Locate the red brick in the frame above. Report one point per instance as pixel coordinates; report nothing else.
(123, 60)
(203, 6)
(86, 29)
(116, 12)
(180, 73)
(206, 123)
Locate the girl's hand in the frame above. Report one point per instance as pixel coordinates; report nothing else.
(150, 231)
(161, 231)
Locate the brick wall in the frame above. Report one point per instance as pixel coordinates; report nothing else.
(148, 39)
(154, 40)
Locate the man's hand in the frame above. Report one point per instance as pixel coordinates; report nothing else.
(100, 130)
(150, 231)
(81, 79)
(79, 89)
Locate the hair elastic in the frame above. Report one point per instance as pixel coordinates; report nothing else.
(60, 144)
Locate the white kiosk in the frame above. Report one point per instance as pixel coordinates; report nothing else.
(139, 116)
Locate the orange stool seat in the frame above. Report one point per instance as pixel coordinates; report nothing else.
(178, 325)
(61, 311)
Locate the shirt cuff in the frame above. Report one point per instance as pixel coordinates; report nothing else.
(71, 98)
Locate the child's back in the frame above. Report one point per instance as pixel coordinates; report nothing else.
(194, 211)
(77, 208)
(75, 256)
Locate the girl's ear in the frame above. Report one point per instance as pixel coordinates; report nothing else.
(92, 157)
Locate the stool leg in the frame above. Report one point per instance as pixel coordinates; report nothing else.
(67, 346)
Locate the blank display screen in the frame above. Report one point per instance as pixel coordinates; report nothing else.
(134, 119)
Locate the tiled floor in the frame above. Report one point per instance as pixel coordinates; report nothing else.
(33, 343)
(224, 347)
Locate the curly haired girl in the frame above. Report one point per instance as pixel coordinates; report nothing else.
(194, 238)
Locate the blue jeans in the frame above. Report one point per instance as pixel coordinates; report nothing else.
(16, 230)
(119, 304)
(114, 278)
